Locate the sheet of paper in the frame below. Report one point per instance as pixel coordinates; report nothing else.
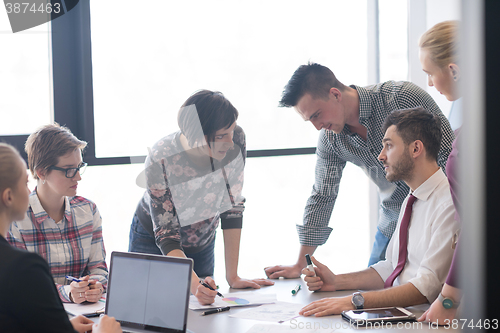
(284, 328)
(278, 312)
(85, 308)
(234, 299)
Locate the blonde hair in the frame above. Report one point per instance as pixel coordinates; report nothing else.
(10, 172)
(442, 43)
(47, 144)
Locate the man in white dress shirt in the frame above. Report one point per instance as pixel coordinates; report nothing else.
(410, 147)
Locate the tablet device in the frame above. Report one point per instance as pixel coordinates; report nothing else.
(365, 316)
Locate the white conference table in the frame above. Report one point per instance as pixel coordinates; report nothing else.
(222, 322)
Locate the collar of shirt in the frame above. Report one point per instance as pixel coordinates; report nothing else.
(426, 188)
(365, 105)
(40, 213)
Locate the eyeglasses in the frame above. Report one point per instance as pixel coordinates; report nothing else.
(71, 172)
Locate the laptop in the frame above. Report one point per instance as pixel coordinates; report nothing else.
(149, 293)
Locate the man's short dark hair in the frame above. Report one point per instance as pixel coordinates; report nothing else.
(312, 78)
(417, 124)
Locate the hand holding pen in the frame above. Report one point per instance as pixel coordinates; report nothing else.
(205, 291)
(204, 284)
(84, 289)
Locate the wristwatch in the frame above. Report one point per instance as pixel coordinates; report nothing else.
(358, 300)
(448, 303)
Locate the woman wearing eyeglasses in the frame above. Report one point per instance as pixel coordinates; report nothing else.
(65, 229)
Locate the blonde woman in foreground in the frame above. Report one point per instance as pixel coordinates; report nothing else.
(26, 276)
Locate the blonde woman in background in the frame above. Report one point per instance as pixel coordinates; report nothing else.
(439, 60)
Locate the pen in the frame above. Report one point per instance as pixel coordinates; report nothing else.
(204, 284)
(310, 264)
(215, 311)
(94, 314)
(296, 289)
(74, 279)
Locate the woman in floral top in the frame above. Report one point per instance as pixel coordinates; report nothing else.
(194, 177)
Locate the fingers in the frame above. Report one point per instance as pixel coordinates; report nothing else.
(93, 295)
(423, 317)
(307, 272)
(210, 282)
(78, 297)
(288, 272)
(107, 324)
(263, 282)
(84, 320)
(318, 308)
(204, 295)
(271, 271)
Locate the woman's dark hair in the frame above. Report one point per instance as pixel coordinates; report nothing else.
(208, 109)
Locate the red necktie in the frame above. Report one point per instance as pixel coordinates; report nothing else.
(403, 242)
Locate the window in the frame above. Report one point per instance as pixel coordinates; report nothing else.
(145, 66)
(25, 78)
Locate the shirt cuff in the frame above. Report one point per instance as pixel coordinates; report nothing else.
(313, 236)
(383, 268)
(231, 223)
(64, 292)
(428, 285)
(169, 245)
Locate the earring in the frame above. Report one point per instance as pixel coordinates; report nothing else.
(43, 182)
(455, 78)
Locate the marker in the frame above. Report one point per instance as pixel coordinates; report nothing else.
(296, 289)
(215, 311)
(204, 284)
(310, 264)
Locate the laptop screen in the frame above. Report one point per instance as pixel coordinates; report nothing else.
(149, 292)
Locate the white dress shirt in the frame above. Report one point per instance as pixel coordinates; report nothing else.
(430, 232)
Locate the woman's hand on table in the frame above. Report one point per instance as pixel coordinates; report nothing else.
(240, 283)
(288, 272)
(437, 314)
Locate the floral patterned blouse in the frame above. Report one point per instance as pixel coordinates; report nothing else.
(184, 201)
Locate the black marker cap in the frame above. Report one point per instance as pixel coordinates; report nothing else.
(308, 259)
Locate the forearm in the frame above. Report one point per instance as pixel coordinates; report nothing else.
(301, 260)
(367, 279)
(232, 239)
(451, 292)
(195, 280)
(403, 296)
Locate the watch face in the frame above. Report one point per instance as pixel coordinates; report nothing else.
(447, 303)
(358, 300)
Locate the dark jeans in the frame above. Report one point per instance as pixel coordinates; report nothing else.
(379, 248)
(141, 241)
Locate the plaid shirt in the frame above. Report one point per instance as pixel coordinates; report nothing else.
(334, 150)
(74, 246)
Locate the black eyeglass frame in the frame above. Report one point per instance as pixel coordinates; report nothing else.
(83, 165)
